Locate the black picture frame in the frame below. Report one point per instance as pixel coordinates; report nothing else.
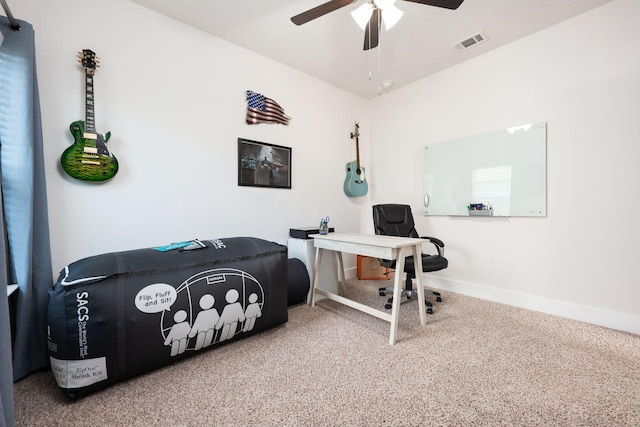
(263, 165)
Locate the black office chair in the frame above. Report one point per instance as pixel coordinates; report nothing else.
(397, 220)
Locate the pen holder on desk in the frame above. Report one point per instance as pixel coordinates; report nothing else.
(324, 225)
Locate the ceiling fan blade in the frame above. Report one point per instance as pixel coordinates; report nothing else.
(319, 11)
(372, 32)
(447, 4)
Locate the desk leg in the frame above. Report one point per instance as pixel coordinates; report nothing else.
(312, 300)
(342, 280)
(397, 295)
(417, 259)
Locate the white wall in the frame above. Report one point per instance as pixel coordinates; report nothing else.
(581, 76)
(173, 98)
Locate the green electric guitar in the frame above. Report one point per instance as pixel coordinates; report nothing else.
(355, 184)
(88, 159)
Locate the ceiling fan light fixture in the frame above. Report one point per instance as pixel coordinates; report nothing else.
(362, 14)
(390, 14)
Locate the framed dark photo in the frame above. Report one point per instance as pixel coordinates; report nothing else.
(263, 165)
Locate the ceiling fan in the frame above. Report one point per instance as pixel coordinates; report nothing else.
(373, 11)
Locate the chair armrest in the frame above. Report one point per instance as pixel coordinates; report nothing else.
(387, 263)
(439, 244)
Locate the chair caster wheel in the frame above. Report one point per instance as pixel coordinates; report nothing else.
(428, 304)
(437, 295)
(429, 310)
(381, 293)
(388, 306)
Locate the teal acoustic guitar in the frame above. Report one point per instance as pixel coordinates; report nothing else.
(88, 159)
(355, 184)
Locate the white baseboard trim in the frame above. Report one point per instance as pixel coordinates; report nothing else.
(350, 272)
(596, 316)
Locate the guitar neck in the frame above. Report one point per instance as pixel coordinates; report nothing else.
(89, 104)
(355, 135)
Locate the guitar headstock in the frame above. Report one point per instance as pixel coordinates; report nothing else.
(356, 131)
(89, 60)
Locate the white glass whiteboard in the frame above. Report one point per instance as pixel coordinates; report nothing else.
(505, 169)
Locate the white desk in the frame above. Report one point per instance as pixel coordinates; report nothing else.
(387, 247)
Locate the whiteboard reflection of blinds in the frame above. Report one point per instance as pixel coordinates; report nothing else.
(492, 186)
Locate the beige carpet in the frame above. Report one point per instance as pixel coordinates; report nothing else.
(475, 363)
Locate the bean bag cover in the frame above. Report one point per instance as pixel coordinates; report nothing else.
(117, 315)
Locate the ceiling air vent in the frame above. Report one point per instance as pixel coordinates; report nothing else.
(471, 41)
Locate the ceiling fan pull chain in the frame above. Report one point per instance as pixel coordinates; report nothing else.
(379, 62)
(369, 54)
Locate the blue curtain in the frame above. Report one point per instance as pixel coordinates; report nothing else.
(6, 384)
(24, 198)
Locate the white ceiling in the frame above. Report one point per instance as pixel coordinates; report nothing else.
(330, 47)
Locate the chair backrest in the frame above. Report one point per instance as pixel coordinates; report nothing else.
(394, 220)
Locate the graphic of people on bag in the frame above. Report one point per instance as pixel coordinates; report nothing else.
(231, 315)
(209, 307)
(205, 322)
(177, 336)
(252, 312)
